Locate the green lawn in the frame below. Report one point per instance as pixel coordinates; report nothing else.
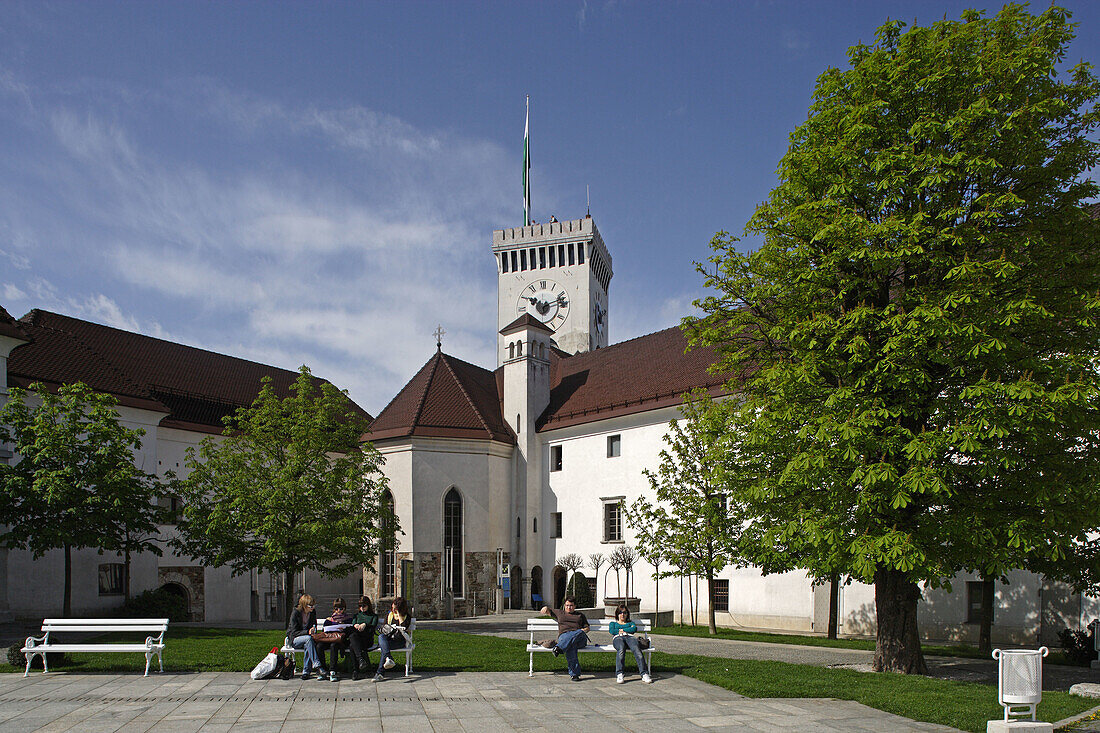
(959, 704)
(941, 650)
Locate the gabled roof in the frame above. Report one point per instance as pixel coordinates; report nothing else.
(525, 321)
(645, 373)
(447, 398)
(195, 387)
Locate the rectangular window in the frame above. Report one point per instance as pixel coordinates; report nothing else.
(388, 573)
(110, 579)
(570, 253)
(561, 255)
(974, 590)
(519, 527)
(612, 520)
(513, 254)
(532, 259)
(580, 254)
(721, 598)
(504, 262)
(614, 445)
(555, 458)
(551, 255)
(542, 258)
(592, 587)
(555, 522)
(523, 259)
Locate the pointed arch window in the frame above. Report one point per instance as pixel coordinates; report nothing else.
(452, 543)
(387, 559)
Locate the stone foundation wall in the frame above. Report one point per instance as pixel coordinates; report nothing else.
(428, 575)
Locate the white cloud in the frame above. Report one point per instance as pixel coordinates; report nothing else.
(275, 255)
(11, 293)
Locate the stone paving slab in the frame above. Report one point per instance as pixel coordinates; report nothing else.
(218, 702)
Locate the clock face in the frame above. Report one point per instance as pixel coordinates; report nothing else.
(546, 301)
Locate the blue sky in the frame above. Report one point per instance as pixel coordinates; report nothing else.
(318, 182)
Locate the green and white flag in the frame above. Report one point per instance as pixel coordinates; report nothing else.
(527, 167)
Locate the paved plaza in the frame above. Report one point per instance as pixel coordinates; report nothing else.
(465, 701)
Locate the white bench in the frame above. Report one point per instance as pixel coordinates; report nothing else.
(547, 628)
(41, 645)
(408, 648)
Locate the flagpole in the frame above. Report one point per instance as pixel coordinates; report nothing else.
(527, 165)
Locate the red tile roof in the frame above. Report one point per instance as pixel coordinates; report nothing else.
(525, 321)
(451, 398)
(447, 398)
(638, 375)
(10, 327)
(194, 386)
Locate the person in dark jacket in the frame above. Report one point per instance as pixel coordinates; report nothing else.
(361, 636)
(302, 621)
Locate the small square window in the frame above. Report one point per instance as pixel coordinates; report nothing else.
(721, 599)
(555, 522)
(555, 458)
(614, 445)
(110, 579)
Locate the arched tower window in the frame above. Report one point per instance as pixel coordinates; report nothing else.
(511, 351)
(387, 559)
(452, 543)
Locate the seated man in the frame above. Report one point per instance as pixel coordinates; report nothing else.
(572, 628)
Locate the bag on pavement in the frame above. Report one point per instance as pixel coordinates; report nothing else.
(269, 666)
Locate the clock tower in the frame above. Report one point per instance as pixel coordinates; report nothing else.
(559, 274)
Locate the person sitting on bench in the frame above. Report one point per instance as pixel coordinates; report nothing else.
(572, 634)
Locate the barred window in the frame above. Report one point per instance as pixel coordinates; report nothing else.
(387, 560)
(721, 600)
(612, 521)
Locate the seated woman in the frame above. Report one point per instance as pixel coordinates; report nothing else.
(389, 635)
(623, 630)
(361, 636)
(302, 621)
(339, 621)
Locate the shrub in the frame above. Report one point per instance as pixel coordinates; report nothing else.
(158, 603)
(578, 585)
(18, 659)
(1077, 645)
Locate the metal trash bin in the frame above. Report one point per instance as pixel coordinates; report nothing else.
(1019, 680)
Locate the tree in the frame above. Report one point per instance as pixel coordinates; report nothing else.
(922, 313)
(595, 561)
(287, 488)
(696, 517)
(571, 563)
(75, 485)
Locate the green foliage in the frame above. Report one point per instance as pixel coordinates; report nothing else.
(916, 338)
(288, 487)
(75, 484)
(695, 522)
(1078, 645)
(18, 659)
(158, 603)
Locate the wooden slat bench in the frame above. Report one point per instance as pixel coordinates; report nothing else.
(407, 649)
(42, 645)
(547, 628)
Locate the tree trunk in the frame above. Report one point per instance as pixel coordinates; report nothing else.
(681, 598)
(711, 625)
(67, 598)
(897, 647)
(656, 594)
(288, 601)
(691, 603)
(985, 633)
(126, 575)
(834, 604)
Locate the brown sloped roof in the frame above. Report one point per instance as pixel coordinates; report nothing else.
(10, 327)
(194, 386)
(645, 373)
(447, 398)
(525, 321)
